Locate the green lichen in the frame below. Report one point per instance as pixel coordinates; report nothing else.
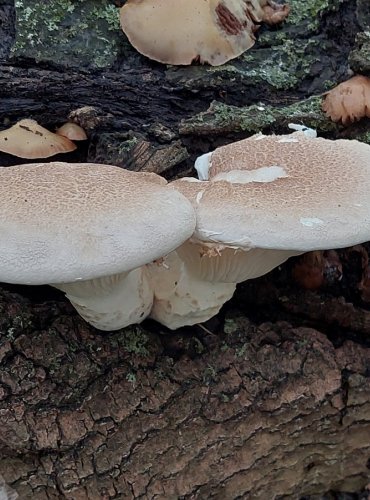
(363, 137)
(131, 377)
(134, 340)
(310, 12)
(285, 66)
(222, 118)
(359, 58)
(124, 148)
(68, 32)
(210, 375)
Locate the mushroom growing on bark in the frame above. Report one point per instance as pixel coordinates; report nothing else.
(349, 101)
(89, 230)
(269, 198)
(72, 131)
(28, 139)
(208, 31)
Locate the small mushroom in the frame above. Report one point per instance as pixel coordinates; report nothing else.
(72, 131)
(349, 101)
(89, 230)
(183, 31)
(28, 139)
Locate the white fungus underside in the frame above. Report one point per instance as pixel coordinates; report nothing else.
(182, 298)
(112, 302)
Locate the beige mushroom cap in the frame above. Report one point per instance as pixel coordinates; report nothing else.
(178, 32)
(284, 192)
(27, 139)
(65, 222)
(349, 101)
(72, 131)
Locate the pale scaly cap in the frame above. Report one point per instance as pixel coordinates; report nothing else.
(181, 31)
(284, 192)
(28, 139)
(72, 131)
(65, 222)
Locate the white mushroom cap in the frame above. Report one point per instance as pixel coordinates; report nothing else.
(178, 32)
(65, 222)
(284, 192)
(274, 197)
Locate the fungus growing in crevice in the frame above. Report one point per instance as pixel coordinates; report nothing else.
(28, 139)
(349, 101)
(72, 131)
(89, 230)
(208, 31)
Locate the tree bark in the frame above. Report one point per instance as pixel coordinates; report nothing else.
(245, 412)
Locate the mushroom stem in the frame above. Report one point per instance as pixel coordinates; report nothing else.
(180, 297)
(220, 263)
(112, 302)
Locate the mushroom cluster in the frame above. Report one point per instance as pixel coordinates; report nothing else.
(28, 139)
(127, 245)
(209, 31)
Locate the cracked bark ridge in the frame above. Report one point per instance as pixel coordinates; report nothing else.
(251, 411)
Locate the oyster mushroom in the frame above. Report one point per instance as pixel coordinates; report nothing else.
(89, 230)
(208, 31)
(270, 198)
(72, 131)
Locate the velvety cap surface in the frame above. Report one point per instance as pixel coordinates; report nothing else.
(64, 222)
(284, 192)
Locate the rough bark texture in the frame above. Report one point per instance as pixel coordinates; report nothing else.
(252, 412)
(272, 398)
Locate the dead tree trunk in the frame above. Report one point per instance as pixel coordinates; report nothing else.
(248, 412)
